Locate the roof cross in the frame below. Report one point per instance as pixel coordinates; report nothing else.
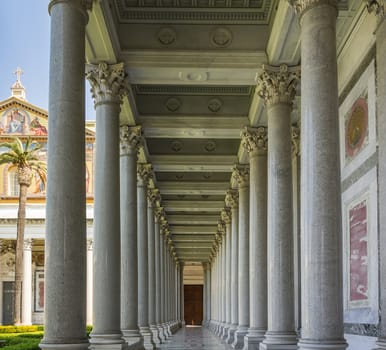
(18, 73)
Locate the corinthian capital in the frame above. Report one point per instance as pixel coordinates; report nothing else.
(144, 173)
(131, 138)
(84, 5)
(255, 139)
(108, 82)
(232, 199)
(302, 6)
(377, 7)
(226, 215)
(241, 174)
(278, 84)
(153, 195)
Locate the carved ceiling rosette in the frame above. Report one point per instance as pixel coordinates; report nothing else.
(108, 82)
(255, 139)
(301, 6)
(278, 84)
(144, 173)
(232, 199)
(130, 139)
(240, 173)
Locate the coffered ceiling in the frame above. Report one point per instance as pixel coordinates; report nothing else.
(193, 67)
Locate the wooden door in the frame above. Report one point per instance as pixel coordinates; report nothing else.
(193, 304)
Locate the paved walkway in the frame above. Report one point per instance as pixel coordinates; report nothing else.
(194, 338)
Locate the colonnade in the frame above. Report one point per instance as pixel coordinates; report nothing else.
(251, 307)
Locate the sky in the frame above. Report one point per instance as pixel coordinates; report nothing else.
(25, 41)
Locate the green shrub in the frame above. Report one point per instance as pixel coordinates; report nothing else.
(20, 329)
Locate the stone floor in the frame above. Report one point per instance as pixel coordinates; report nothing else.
(192, 338)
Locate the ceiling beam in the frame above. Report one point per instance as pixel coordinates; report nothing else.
(193, 245)
(193, 188)
(193, 206)
(193, 126)
(193, 163)
(198, 230)
(193, 219)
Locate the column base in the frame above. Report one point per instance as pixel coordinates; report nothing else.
(279, 341)
(231, 334)
(154, 331)
(183, 323)
(107, 342)
(225, 331)
(381, 344)
(253, 339)
(63, 346)
(148, 343)
(240, 334)
(161, 333)
(132, 338)
(339, 344)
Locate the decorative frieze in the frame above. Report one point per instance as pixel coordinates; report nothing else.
(255, 139)
(301, 6)
(232, 199)
(108, 82)
(144, 173)
(240, 173)
(130, 139)
(278, 84)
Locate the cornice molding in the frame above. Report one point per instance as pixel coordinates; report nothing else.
(278, 84)
(109, 83)
(130, 139)
(255, 140)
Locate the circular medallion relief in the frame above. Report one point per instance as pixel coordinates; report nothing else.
(210, 146)
(214, 105)
(166, 36)
(176, 146)
(221, 37)
(356, 127)
(173, 104)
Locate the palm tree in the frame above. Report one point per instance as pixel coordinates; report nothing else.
(24, 159)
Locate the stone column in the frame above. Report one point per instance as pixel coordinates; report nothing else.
(220, 232)
(182, 294)
(26, 316)
(144, 172)
(130, 138)
(241, 175)
(232, 201)
(205, 287)
(209, 294)
(378, 7)
(163, 281)
(65, 243)
(322, 293)
(108, 83)
(158, 261)
(226, 219)
(277, 87)
(153, 198)
(254, 141)
(90, 265)
(224, 292)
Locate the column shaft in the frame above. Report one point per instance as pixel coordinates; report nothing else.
(322, 297)
(65, 243)
(130, 138)
(26, 317)
(90, 265)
